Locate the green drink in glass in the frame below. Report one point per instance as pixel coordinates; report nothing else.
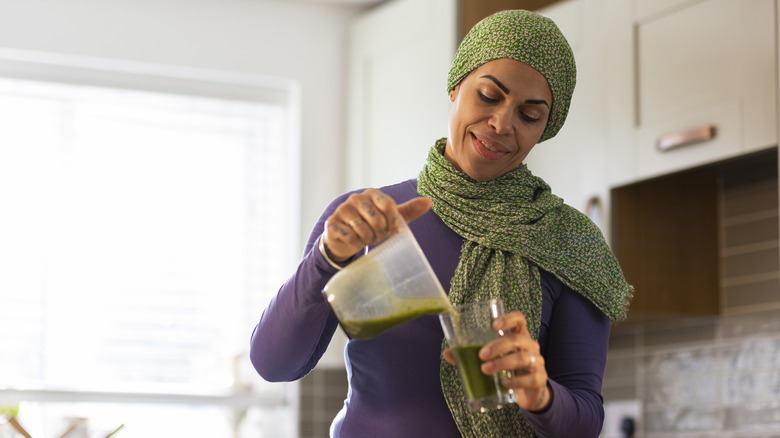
(467, 329)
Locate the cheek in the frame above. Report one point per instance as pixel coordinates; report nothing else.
(529, 136)
(454, 111)
(451, 122)
(455, 126)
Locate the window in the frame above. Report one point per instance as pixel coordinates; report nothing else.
(141, 235)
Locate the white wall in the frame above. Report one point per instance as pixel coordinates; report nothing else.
(305, 42)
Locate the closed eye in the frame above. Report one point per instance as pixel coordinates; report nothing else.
(487, 99)
(528, 118)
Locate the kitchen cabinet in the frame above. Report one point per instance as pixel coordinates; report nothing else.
(575, 162)
(704, 105)
(665, 236)
(706, 86)
(701, 242)
(398, 104)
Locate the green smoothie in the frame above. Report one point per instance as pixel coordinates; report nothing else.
(478, 385)
(404, 310)
(366, 303)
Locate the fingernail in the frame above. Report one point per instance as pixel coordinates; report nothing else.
(499, 324)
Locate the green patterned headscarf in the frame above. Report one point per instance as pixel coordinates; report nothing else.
(513, 226)
(529, 38)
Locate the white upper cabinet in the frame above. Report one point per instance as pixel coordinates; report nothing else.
(706, 86)
(566, 160)
(598, 129)
(400, 54)
(662, 86)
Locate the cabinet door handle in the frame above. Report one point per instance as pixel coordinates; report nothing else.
(685, 138)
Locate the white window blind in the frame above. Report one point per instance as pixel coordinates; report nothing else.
(141, 234)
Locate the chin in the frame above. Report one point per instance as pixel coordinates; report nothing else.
(481, 176)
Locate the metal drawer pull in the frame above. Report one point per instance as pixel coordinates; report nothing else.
(685, 138)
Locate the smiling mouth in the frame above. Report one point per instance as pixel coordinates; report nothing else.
(485, 150)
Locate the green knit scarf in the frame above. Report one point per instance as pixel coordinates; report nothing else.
(514, 226)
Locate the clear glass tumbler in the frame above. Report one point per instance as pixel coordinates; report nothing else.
(467, 330)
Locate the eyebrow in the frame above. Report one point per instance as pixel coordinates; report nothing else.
(506, 90)
(498, 83)
(537, 102)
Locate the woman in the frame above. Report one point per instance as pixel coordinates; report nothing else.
(489, 229)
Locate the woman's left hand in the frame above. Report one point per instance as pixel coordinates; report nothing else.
(516, 351)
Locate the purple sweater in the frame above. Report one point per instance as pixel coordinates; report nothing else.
(394, 388)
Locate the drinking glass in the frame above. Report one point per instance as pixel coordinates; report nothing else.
(467, 329)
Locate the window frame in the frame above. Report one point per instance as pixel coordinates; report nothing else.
(80, 70)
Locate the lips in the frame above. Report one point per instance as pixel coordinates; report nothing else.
(487, 149)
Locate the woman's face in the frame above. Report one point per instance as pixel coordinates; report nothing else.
(498, 114)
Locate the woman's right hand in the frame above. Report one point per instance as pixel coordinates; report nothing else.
(366, 218)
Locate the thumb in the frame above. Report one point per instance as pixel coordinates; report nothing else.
(449, 356)
(414, 208)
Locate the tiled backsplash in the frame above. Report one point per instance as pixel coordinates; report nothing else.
(701, 378)
(322, 395)
(719, 376)
(749, 237)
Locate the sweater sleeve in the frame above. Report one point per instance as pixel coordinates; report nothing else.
(575, 353)
(297, 325)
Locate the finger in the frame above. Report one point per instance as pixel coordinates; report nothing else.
(366, 232)
(525, 381)
(376, 208)
(367, 218)
(512, 322)
(507, 344)
(345, 232)
(380, 213)
(529, 367)
(522, 362)
(362, 215)
(449, 356)
(340, 240)
(532, 391)
(412, 209)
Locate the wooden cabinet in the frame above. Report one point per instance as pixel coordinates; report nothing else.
(472, 11)
(700, 242)
(665, 235)
(706, 85)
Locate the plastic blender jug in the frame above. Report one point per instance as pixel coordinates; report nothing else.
(391, 284)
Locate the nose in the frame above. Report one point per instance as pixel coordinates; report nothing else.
(501, 120)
